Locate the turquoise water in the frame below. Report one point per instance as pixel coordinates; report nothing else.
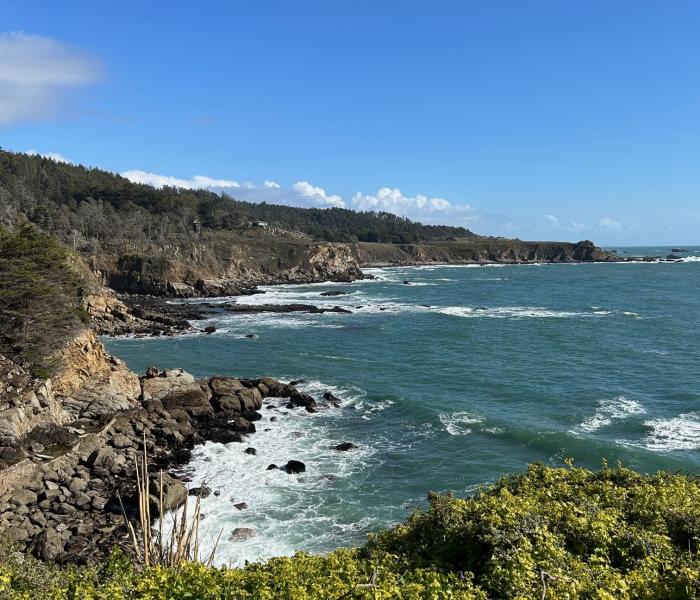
(466, 374)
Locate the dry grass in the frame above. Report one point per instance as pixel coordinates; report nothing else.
(154, 546)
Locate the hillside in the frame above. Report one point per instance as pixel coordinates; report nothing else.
(175, 242)
(91, 208)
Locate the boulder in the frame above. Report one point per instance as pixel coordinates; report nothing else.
(272, 467)
(152, 372)
(250, 398)
(209, 329)
(332, 399)
(169, 381)
(251, 451)
(225, 386)
(24, 496)
(251, 415)
(193, 398)
(241, 505)
(345, 446)
(295, 466)
(226, 404)
(242, 534)
(49, 545)
(297, 398)
(202, 491)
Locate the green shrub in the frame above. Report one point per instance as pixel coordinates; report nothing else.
(548, 533)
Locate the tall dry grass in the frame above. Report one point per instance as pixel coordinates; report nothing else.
(154, 546)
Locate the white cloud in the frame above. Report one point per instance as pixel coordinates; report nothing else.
(197, 182)
(318, 194)
(609, 223)
(36, 72)
(427, 209)
(393, 201)
(552, 220)
(302, 193)
(52, 155)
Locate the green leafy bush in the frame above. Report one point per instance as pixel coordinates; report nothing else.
(548, 533)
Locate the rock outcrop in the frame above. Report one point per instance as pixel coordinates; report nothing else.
(481, 250)
(68, 445)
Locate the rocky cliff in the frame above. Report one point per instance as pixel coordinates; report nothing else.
(226, 264)
(480, 250)
(68, 443)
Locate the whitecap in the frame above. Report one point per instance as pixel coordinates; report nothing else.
(287, 511)
(677, 433)
(507, 312)
(609, 411)
(459, 423)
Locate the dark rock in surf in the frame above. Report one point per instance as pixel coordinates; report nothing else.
(272, 467)
(345, 446)
(202, 491)
(209, 329)
(251, 451)
(295, 466)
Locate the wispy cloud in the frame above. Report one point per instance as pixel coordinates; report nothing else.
(197, 182)
(302, 193)
(579, 227)
(52, 155)
(35, 74)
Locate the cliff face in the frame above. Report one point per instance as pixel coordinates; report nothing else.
(224, 264)
(481, 250)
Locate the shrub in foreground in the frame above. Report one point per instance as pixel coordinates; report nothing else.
(548, 533)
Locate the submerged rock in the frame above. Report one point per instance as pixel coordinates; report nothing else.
(242, 534)
(345, 446)
(241, 505)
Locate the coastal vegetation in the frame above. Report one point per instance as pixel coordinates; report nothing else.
(40, 296)
(547, 533)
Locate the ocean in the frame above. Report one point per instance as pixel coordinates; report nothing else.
(448, 382)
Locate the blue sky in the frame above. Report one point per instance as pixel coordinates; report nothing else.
(547, 120)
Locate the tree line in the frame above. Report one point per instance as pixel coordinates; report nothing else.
(90, 209)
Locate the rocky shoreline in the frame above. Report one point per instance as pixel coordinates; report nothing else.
(59, 497)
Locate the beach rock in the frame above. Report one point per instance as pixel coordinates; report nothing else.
(223, 436)
(295, 466)
(251, 415)
(24, 496)
(209, 329)
(226, 404)
(345, 446)
(168, 381)
(225, 386)
(297, 398)
(272, 467)
(152, 372)
(250, 398)
(193, 398)
(241, 505)
(243, 425)
(331, 398)
(202, 491)
(242, 534)
(334, 293)
(49, 545)
(251, 451)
